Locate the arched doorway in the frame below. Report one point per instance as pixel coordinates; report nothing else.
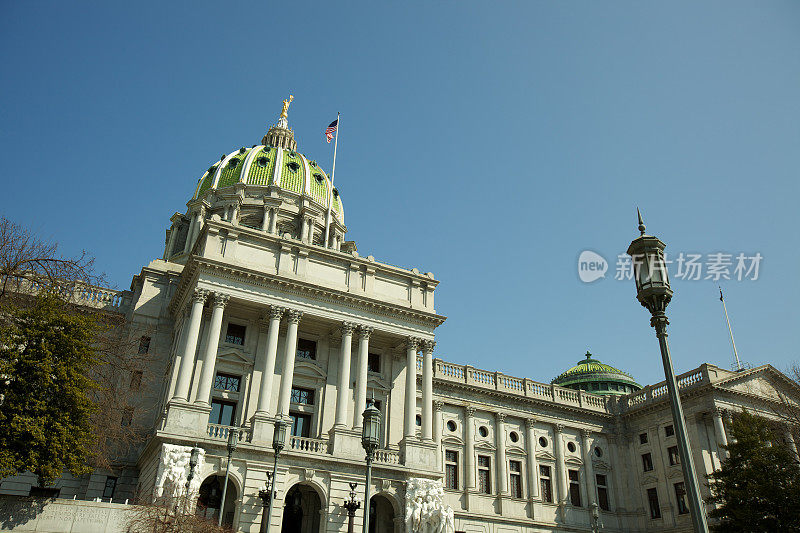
(381, 514)
(210, 497)
(301, 510)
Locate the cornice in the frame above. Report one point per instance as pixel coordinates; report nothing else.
(199, 265)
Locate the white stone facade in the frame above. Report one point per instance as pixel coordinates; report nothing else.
(511, 454)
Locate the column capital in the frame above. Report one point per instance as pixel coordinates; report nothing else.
(500, 417)
(294, 316)
(220, 300)
(719, 411)
(470, 411)
(427, 346)
(200, 295)
(558, 428)
(364, 332)
(413, 343)
(438, 405)
(347, 328)
(530, 422)
(276, 311)
(586, 433)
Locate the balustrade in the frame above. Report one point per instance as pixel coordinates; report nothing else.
(309, 445)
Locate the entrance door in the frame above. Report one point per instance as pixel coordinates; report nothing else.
(301, 510)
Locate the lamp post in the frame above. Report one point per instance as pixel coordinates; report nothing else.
(369, 440)
(595, 518)
(352, 504)
(193, 460)
(278, 442)
(266, 494)
(233, 440)
(654, 293)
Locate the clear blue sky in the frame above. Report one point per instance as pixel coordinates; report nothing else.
(488, 142)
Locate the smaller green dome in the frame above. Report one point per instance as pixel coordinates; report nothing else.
(594, 376)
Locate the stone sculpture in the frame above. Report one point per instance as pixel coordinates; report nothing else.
(425, 509)
(173, 471)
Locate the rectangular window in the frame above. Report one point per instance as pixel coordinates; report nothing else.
(144, 345)
(227, 382)
(546, 483)
(222, 413)
(484, 474)
(111, 484)
(127, 417)
(451, 469)
(235, 334)
(136, 380)
(374, 363)
(647, 462)
(515, 469)
(643, 438)
(652, 498)
(669, 431)
(674, 456)
(680, 496)
(602, 492)
(301, 425)
(574, 488)
(44, 492)
(302, 396)
(306, 349)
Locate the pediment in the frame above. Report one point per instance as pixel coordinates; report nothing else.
(573, 461)
(451, 439)
(309, 370)
(516, 450)
(234, 357)
(601, 465)
(648, 480)
(485, 446)
(547, 456)
(674, 472)
(764, 382)
(377, 384)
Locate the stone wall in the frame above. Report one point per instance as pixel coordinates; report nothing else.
(63, 516)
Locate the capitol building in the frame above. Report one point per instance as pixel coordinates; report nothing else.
(254, 314)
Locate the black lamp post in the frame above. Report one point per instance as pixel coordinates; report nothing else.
(266, 494)
(233, 441)
(351, 504)
(194, 457)
(370, 439)
(278, 442)
(654, 293)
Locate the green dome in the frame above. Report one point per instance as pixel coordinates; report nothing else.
(262, 166)
(591, 375)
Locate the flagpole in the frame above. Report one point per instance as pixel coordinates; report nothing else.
(333, 176)
(730, 330)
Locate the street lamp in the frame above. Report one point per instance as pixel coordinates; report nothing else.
(595, 518)
(370, 438)
(654, 293)
(278, 442)
(193, 460)
(266, 494)
(233, 440)
(351, 505)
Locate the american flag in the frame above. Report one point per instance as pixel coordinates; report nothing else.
(331, 129)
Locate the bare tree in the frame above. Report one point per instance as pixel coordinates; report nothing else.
(172, 515)
(27, 261)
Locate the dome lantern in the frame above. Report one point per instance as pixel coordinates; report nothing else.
(591, 375)
(280, 134)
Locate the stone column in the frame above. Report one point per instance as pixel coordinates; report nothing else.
(268, 360)
(438, 408)
(212, 346)
(285, 394)
(190, 345)
(790, 440)
(533, 466)
(343, 387)
(719, 431)
(561, 473)
(728, 415)
(363, 369)
(469, 446)
(586, 450)
(194, 230)
(411, 387)
(265, 219)
(273, 221)
(427, 389)
(500, 444)
(173, 234)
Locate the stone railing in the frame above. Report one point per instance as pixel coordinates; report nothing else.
(658, 392)
(82, 294)
(219, 431)
(308, 445)
(484, 379)
(389, 457)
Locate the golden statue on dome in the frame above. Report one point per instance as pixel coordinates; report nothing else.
(284, 111)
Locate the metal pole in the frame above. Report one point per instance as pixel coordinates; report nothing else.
(225, 488)
(333, 176)
(730, 330)
(366, 493)
(659, 322)
(272, 493)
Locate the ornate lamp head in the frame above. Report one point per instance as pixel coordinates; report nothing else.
(370, 434)
(233, 440)
(650, 271)
(279, 435)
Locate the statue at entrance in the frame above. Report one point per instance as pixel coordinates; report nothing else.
(425, 509)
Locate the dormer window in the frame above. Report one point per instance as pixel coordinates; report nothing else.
(233, 162)
(293, 166)
(318, 177)
(262, 161)
(335, 193)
